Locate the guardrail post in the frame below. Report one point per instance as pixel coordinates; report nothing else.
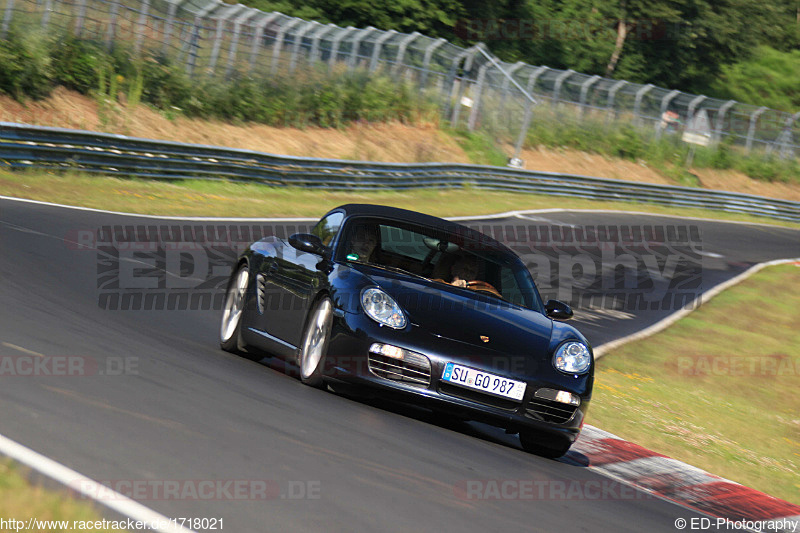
(401, 50)
(559, 82)
(48, 9)
(612, 94)
(111, 31)
(585, 91)
(534, 77)
(468, 56)
(173, 9)
(637, 104)
(376, 49)
(298, 41)
(356, 45)
(721, 119)
(426, 61)
(79, 19)
(506, 82)
(752, 129)
(314, 55)
(237, 31)
(785, 147)
(141, 25)
(278, 44)
(664, 106)
(7, 18)
(259, 35)
(336, 42)
(476, 102)
(222, 20)
(693, 105)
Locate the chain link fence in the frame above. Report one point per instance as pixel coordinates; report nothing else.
(211, 38)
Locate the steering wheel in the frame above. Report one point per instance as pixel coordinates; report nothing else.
(478, 285)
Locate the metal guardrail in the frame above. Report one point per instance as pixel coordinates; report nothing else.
(25, 146)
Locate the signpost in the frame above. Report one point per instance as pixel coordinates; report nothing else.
(697, 132)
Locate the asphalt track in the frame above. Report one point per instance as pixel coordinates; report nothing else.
(185, 411)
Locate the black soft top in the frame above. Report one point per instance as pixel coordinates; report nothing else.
(414, 217)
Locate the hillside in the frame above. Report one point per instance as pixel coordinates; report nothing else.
(393, 142)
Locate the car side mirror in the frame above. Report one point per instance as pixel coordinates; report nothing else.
(558, 310)
(306, 242)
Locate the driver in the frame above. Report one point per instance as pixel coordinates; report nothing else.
(464, 270)
(363, 241)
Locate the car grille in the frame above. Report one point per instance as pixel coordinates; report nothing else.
(477, 396)
(549, 411)
(261, 282)
(416, 370)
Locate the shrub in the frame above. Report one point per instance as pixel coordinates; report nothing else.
(25, 66)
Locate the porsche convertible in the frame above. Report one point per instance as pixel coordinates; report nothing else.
(418, 309)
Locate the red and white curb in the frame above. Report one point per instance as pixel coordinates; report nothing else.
(679, 482)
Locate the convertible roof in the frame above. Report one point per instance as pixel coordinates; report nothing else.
(405, 215)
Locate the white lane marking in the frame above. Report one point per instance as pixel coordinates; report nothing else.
(712, 255)
(507, 214)
(21, 349)
(157, 217)
(664, 323)
(88, 487)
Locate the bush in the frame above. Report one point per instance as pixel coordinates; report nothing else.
(25, 66)
(76, 63)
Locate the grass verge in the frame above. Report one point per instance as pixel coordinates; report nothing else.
(20, 500)
(232, 199)
(718, 389)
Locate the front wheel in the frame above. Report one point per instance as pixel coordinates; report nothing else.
(543, 445)
(315, 343)
(230, 338)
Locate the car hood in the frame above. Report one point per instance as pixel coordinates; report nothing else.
(466, 316)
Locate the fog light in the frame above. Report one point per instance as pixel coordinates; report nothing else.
(560, 396)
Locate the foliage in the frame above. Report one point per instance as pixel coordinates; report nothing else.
(768, 78)
(25, 66)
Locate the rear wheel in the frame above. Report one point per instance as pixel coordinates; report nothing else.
(230, 337)
(315, 343)
(543, 445)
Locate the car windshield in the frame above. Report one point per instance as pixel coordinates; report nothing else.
(457, 260)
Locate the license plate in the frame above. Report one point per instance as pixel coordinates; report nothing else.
(483, 381)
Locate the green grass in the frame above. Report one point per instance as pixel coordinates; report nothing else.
(21, 500)
(233, 199)
(718, 389)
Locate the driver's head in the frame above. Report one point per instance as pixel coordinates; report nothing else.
(363, 240)
(465, 267)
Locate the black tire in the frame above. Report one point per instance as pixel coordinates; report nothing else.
(314, 348)
(230, 331)
(543, 445)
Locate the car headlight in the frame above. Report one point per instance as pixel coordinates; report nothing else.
(572, 357)
(381, 308)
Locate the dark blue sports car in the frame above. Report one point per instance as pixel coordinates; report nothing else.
(418, 308)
